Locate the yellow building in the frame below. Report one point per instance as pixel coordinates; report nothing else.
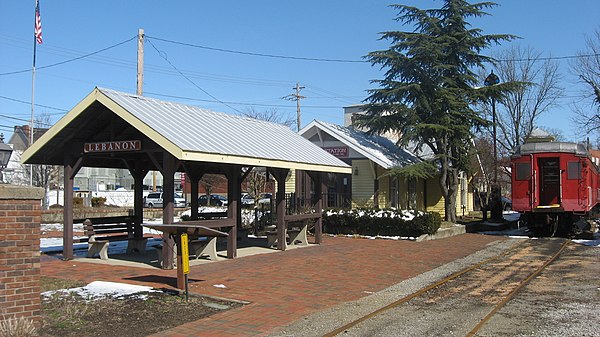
(370, 184)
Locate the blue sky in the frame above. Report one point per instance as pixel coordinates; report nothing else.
(335, 29)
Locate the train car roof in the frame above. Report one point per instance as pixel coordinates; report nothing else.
(531, 148)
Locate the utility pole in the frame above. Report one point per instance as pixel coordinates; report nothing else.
(296, 97)
(140, 81)
(140, 62)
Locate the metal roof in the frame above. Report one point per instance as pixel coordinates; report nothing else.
(190, 133)
(379, 149)
(557, 147)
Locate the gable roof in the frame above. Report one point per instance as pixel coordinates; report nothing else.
(379, 149)
(20, 136)
(189, 133)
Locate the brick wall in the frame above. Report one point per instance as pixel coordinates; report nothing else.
(20, 213)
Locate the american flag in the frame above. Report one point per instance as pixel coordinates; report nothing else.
(38, 23)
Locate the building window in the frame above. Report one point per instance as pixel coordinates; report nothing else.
(394, 192)
(412, 193)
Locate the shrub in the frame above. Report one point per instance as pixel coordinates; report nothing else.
(77, 201)
(98, 201)
(380, 222)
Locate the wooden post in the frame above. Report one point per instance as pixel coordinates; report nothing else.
(168, 172)
(234, 211)
(71, 166)
(138, 174)
(194, 176)
(68, 212)
(280, 175)
(317, 177)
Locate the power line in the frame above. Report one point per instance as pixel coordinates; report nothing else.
(549, 58)
(240, 103)
(38, 105)
(346, 60)
(256, 54)
(164, 56)
(70, 60)
(25, 120)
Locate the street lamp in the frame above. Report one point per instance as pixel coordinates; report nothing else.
(5, 152)
(490, 80)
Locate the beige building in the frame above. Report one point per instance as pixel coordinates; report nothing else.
(370, 184)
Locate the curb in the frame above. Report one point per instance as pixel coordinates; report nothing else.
(443, 233)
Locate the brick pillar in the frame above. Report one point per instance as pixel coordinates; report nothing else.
(20, 214)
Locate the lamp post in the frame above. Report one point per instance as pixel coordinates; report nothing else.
(490, 80)
(5, 152)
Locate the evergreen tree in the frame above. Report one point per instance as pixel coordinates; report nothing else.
(428, 89)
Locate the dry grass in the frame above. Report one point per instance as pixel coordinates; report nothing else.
(17, 327)
(68, 314)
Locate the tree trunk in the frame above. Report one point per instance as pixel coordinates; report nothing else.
(449, 189)
(450, 200)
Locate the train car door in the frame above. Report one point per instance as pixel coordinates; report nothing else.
(522, 196)
(549, 181)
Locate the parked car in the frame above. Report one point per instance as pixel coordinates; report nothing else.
(215, 200)
(155, 199)
(506, 204)
(247, 199)
(265, 198)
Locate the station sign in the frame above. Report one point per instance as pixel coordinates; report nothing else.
(338, 151)
(114, 146)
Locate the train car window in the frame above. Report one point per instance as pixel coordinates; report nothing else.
(523, 171)
(573, 170)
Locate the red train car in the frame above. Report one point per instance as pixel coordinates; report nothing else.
(555, 187)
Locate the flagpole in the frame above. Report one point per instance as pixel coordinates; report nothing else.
(35, 18)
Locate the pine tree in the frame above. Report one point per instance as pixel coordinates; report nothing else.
(428, 89)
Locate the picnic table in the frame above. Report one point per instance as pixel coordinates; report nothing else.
(194, 231)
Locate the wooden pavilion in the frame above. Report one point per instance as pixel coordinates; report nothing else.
(112, 129)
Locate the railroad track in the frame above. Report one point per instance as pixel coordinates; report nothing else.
(462, 303)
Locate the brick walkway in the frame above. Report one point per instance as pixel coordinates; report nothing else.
(285, 286)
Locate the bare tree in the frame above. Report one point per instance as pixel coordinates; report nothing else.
(587, 68)
(209, 182)
(270, 115)
(41, 175)
(518, 110)
(257, 180)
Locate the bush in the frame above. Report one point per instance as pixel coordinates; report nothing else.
(77, 201)
(98, 201)
(375, 222)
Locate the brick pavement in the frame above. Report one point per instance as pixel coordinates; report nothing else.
(285, 286)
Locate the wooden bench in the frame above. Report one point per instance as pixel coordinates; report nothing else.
(295, 234)
(206, 246)
(102, 231)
